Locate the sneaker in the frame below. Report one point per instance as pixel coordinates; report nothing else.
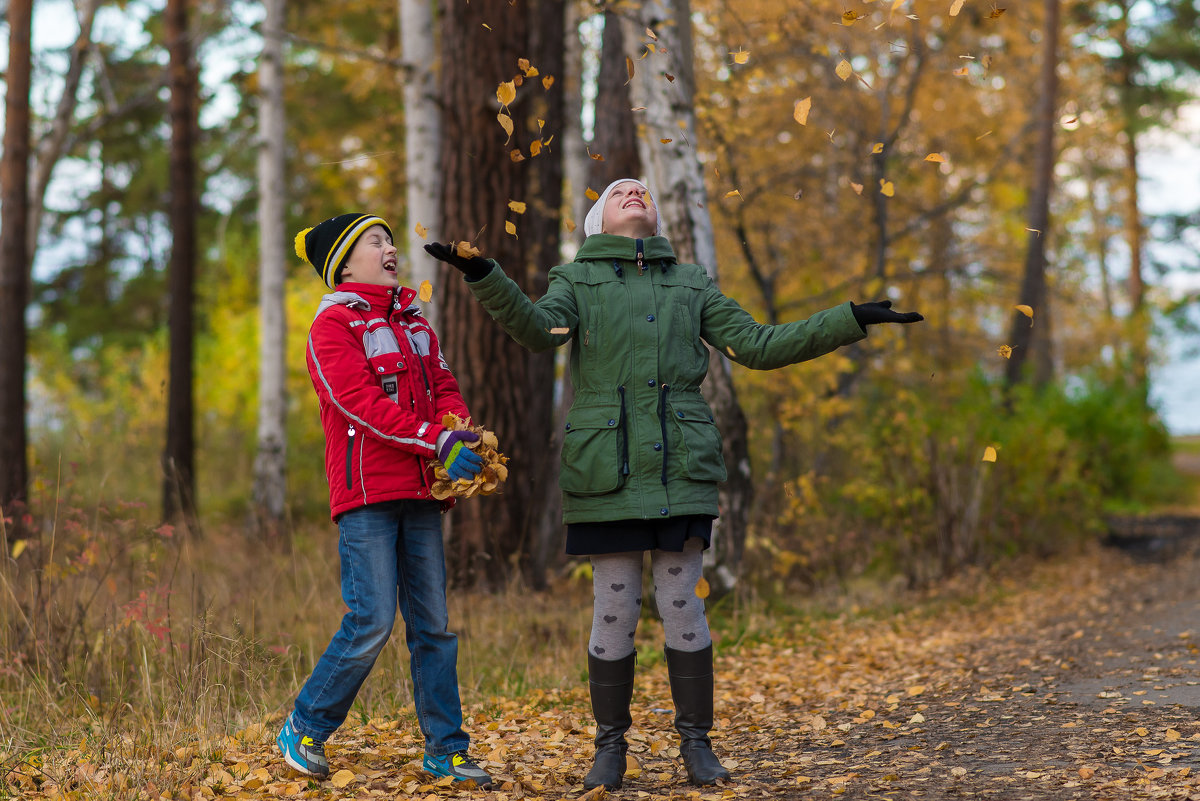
(301, 751)
(460, 767)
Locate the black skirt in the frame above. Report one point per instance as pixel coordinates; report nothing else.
(618, 536)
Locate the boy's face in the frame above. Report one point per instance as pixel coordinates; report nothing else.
(629, 211)
(372, 260)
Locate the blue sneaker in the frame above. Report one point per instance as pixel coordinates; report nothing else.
(459, 767)
(301, 751)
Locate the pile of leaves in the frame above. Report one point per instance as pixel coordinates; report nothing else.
(488, 480)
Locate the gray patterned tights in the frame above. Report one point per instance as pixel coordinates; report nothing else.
(617, 604)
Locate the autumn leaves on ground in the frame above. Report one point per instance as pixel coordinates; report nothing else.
(1075, 678)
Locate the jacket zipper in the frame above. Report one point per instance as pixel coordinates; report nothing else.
(350, 457)
(624, 435)
(662, 422)
(641, 258)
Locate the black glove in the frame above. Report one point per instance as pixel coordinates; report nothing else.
(473, 268)
(878, 312)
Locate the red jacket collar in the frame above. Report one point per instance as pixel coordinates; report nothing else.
(381, 296)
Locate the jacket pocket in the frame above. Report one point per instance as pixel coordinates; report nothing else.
(699, 444)
(591, 451)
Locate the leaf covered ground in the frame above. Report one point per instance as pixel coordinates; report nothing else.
(1075, 679)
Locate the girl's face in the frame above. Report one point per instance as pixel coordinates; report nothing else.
(629, 211)
(372, 259)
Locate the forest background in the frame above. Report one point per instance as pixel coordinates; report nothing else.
(165, 508)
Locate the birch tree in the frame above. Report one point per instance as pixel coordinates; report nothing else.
(270, 464)
(667, 145)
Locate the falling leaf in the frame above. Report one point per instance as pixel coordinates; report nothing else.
(989, 454)
(878, 148)
(19, 548)
(629, 67)
(887, 188)
(651, 34)
(741, 56)
(557, 331)
(996, 13)
(570, 226)
(591, 194)
(1035, 231)
(1025, 310)
(800, 111)
(851, 17)
(670, 78)
(799, 194)
(858, 188)
(982, 135)
(956, 7)
(535, 147)
(733, 193)
(425, 291)
(729, 350)
(936, 158)
(506, 123)
(517, 206)
(1005, 351)
(844, 70)
(516, 155)
(666, 141)
(895, 5)
(510, 228)
(421, 231)
(702, 588)
(547, 82)
(506, 92)
(466, 250)
(961, 71)
(594, 156)
(485, 25)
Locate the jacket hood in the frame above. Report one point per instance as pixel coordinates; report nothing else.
(604, 247)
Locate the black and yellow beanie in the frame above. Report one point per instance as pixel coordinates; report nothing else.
(327, 245)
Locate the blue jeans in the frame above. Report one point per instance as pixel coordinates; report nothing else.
(391, 553)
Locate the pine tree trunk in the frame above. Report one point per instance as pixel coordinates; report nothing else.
(14, 264)
(179, 480)
(677, 182)
(507, 388)
(270, 465)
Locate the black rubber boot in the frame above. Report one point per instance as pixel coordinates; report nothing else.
(611, 686)
(691, 675)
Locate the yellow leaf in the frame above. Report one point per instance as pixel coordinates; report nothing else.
(466, 250)
(1025, 310)
(896, 4)
(916, 689)
(342, 778)
(425, 292)
(666, 141)
(936, 158)
(516, 155)
(850, 17)
(989, 454)
(517, 206)
(557, 331)
(594, 156)
(858, 188)
(510, 228)
(629, 67)
(729, 350)
(741, 56)
(506, 92)
(956, 7)
(1005, 351)
(996, 12)
(702, 588)
(651, 34)
(878, 148)
(570, 226)
(19, 548)
(535, 147)
(961, 71)
(591, 194)
(1172, 735)
(505, 122)
(547, 81)
(843, 69)
(421, 230)
(1141, 731)
(733, 193)
(800, 112)
(887, 188)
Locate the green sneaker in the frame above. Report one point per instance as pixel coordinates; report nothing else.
(459, 767)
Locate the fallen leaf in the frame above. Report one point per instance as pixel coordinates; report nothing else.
(342, 778)
(425, 291)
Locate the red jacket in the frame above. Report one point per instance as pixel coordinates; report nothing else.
(383, 387)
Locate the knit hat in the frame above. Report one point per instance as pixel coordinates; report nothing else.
(327, 245)
(593, 223)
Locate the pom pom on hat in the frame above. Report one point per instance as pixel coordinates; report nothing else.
(593, 223)
(327, 245)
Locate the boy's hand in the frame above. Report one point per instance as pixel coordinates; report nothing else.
(459, 460)
(473, 268)
(881, 312)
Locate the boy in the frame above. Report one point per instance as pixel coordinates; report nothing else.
(383, 388)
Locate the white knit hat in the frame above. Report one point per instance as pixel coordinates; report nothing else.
(593, 223)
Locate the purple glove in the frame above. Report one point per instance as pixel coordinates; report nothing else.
(459, 460)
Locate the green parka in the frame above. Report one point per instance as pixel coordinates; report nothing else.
(639, 439)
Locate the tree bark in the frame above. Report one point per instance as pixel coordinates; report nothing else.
(508, 389)
(14, 265)
(676, 180)
(179, 480)
(1029, 337)
(422, 133)
(614, 130)
(270, 464)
